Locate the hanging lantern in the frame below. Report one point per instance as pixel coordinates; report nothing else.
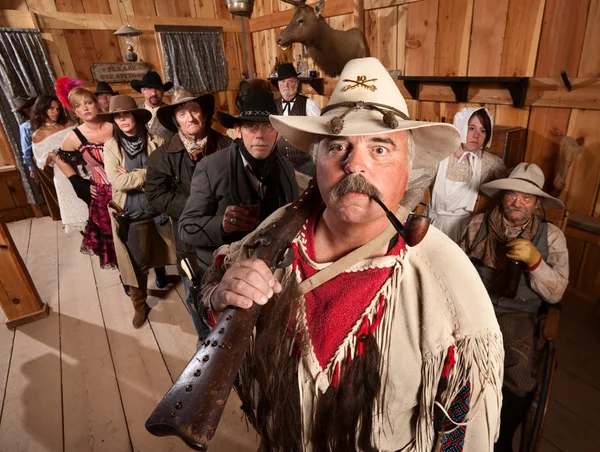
(240, 7)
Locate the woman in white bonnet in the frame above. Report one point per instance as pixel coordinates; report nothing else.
(456, 180)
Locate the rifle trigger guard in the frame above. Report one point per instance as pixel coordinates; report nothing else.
(288, 258)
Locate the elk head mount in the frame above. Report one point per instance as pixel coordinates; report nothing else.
(330, 49)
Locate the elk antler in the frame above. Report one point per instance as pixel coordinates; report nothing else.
(294, 2)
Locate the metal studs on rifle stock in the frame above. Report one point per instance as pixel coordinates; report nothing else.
(179, 405)
(188, 388)
(214, 343)
(205, 358)
(229, 317)
(197, 373)
(222, 330)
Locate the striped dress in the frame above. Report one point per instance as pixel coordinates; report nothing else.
(97, 237)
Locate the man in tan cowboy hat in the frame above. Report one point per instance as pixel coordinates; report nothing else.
(538, 250)
(153, 89)
(171, 166)
(369, 343)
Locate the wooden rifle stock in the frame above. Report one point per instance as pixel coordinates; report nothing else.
(193, 406)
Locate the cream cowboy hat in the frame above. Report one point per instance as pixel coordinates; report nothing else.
(526, 178)
(366, 101)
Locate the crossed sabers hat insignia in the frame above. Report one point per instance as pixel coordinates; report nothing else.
(361, 81)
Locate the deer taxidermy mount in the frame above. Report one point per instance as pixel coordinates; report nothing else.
(330, 49)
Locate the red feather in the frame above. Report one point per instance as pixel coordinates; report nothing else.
(63, 87)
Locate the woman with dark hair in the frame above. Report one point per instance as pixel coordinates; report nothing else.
(142, 236)
(456, 180)
(50, 125)
(84, 146)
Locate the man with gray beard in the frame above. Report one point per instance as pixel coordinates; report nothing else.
(363, 342)
(512, 235)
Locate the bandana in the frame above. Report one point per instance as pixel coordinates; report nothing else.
(491, 251)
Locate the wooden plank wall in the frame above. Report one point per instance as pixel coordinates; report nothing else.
(78, 33)
(532, 38)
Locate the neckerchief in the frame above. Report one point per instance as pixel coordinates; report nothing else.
(491, 251)
(192, 146)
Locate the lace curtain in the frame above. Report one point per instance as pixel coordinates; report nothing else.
(193, 57)
(25, 70)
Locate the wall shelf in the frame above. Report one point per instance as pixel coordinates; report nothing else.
(517, 86)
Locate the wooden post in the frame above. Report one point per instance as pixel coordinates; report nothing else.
(19, 298)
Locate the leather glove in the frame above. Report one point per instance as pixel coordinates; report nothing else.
(523, 250)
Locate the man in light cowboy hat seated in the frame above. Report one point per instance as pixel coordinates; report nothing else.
(104, 93)
(395, 347)
(153, 89)
(171, 167)
(292, 103)
(234, 190)
(512, 230)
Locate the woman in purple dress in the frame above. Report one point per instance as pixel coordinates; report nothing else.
(85, 144)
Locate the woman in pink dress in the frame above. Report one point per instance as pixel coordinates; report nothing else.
(85, 144)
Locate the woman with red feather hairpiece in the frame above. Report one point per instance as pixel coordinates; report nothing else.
(84, 145)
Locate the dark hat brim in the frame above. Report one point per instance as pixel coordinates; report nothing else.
(27, 104)
(166, 112)
(141, 115)
(113, 93)
(139, 84)
(229, 121)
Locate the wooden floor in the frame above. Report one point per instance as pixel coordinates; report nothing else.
(84, 380)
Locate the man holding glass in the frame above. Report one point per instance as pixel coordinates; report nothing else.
(234, 190)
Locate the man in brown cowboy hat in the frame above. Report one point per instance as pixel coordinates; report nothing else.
(23, 106)
(103, 93)
(171, 167)
(153, 89)
(538, 249)
(234, 190)
(370, 344)
(292, 103)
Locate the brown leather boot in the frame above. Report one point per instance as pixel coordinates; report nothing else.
(141, 314)
(138, 298)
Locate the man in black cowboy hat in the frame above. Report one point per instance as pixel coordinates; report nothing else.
(292, 103)
(103, 93)
(153, 89)
(171, 167)
(23, 106)
(236, 189)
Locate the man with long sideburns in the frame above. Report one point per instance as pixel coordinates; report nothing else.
(538, 250)
(368, 343)
(233, 191)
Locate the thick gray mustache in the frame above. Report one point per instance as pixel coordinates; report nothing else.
(354, 183)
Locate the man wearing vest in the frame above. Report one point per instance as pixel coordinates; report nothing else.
(512, 231)
(291, 103)
(153, 89)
